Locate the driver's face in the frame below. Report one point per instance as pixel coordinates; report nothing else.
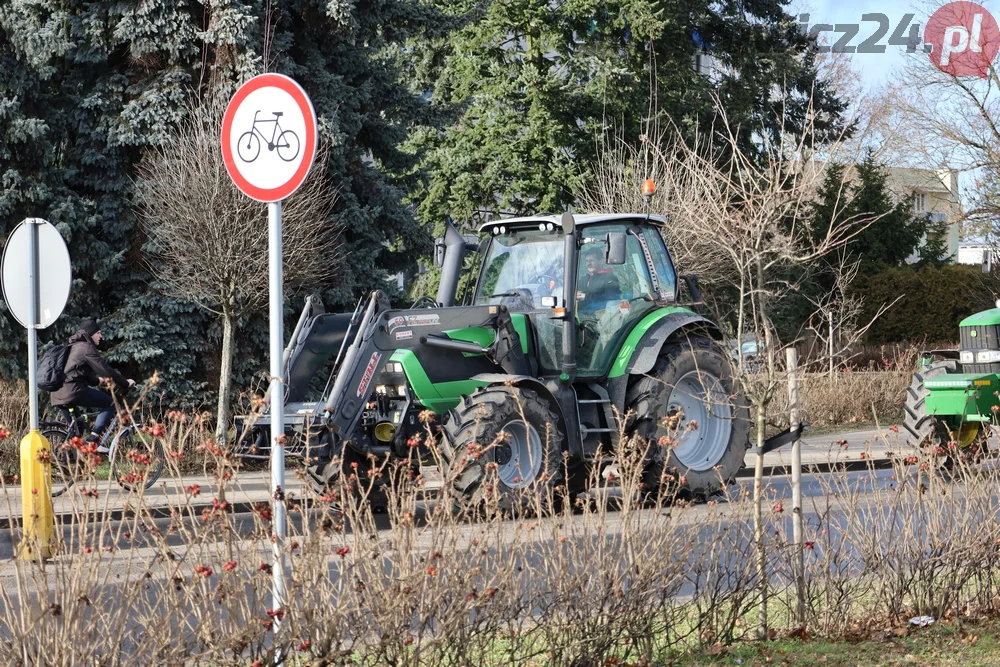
(591, 263)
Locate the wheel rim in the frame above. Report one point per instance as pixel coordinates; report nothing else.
(700, 397)
(63, 462)
(967, 434)
(519, 456)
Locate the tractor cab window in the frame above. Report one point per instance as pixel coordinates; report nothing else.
(610, 299)
(661, 260)
(520, 268)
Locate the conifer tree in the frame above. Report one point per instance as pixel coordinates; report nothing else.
(88, 87)
(534, 86)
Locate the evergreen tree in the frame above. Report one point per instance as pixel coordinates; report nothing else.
(934, 250)
(534, 85)
(897, 233)
(87, 87)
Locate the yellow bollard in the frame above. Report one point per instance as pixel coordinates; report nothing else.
(36, 498)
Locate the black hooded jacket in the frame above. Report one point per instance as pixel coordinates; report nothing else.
(84, 368)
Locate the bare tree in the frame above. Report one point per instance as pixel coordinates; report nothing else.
(207, 242)
(835, 323)
(745, 222)
(958, 119)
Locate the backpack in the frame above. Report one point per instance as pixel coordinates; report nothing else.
(52, 368)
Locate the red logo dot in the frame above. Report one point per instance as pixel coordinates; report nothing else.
(964, 39)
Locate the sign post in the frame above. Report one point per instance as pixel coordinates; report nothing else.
(269, 137)
(36, 300)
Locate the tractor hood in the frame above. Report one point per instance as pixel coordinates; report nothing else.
(984, 318)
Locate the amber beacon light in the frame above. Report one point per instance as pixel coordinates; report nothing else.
(648, 188)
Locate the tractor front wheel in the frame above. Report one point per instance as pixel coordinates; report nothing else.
(694, 417)
(503, 445)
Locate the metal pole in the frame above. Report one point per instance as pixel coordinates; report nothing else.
(34, 310)
(277, 395)
(792, 362)
(830, 318)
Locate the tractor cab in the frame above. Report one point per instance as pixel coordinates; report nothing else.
(622, 272)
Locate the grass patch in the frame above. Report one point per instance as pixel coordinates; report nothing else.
(940, 645)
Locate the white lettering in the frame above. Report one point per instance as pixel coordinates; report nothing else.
(947, 48)
(977, 28)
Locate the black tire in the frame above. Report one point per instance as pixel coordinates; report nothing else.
(137, 462)
(65, 462)
(248, 151)
(472, 445)
(287, 145)
(349, 471)
(707, 461)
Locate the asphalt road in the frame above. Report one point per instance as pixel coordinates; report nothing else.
(778, 489)
(852, 448)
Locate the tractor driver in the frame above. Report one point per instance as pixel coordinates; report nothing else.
(597, 285)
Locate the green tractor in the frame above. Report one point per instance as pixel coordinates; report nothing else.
(572, 323)
(953, 395)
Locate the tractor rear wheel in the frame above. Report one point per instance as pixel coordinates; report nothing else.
(503, 444)
(700, 451)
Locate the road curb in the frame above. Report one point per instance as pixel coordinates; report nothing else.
(820, 468)
(117, 514)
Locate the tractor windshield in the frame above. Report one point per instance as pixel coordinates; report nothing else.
(521, 267)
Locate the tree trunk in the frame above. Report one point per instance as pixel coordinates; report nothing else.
(758, 523)
(225, 378)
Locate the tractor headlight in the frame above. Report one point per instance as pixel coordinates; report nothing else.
(987, 356)
(393, 367)
(967, 357)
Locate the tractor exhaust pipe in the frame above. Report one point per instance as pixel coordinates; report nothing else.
(570, 261)
(453, 247)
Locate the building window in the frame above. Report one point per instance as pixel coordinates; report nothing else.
(919, 203)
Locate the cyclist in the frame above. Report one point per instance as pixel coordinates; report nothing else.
(85, 368)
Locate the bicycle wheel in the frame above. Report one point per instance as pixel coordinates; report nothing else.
(287, 145)
(137, 460)
(65, 461)
(248, 147)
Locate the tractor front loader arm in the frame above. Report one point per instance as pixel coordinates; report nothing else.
(382, 331)
(352, 386)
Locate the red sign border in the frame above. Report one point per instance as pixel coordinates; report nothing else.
(291, 87)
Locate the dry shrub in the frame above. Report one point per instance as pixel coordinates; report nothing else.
(850, 397)
(885, 546)
(13, 418)
(569, 583)
(603, 579)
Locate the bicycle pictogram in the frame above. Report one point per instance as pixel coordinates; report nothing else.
(284, 142)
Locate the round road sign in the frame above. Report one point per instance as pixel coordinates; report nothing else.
(54, 273)
(269, 137)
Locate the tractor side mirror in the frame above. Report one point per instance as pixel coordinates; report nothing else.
(439, 248)
(615, 249)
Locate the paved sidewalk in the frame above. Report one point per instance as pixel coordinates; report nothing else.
(251, 488)
(852, 447)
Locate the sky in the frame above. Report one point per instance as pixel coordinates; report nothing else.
(875, 68)
(879, 70)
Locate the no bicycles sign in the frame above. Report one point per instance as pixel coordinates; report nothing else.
(269, 137)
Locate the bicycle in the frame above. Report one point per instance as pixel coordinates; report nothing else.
(135, 459)
(286, 144)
